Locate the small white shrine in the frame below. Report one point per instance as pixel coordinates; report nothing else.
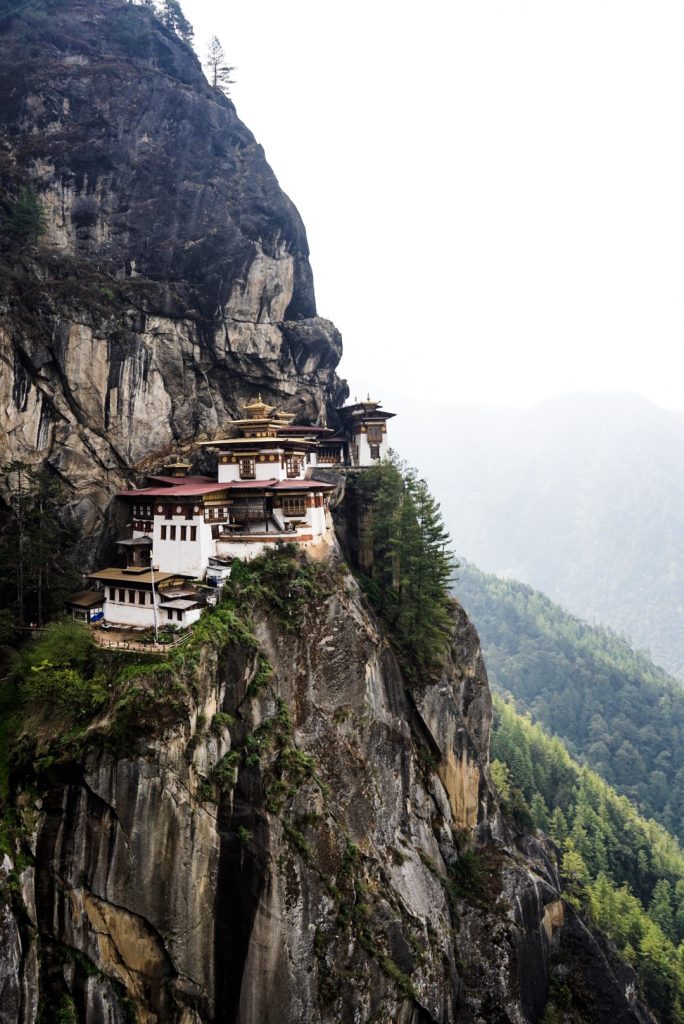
(365, 428)
(186, 530)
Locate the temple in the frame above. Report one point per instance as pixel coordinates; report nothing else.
(186, 530)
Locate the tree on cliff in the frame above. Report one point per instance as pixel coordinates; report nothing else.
(172, 16)
(219, 71)
(35, 575)
(413, 565)
(25, 219)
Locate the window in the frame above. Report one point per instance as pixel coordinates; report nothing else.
(131, 596)
(189, 513)
(294, 507)
(172, 533)
(112, 594)
(293, 466)
(163, 533)
(374, 433)
(141, 597)
(168, 512)
(193, 533)
(122, 596)
(184, 532)
(248, 468)
(179, 616)
(215, 514)
(169, 613)
(375, 451)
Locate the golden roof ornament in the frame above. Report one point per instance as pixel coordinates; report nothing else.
(257, 408)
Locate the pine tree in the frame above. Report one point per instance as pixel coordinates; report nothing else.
(219, 71)
(25, 220)
(171, 15)
(660, 908)
(35, 574)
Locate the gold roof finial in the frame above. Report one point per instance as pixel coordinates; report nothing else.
(258, 409)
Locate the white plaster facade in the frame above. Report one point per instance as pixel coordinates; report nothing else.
(128, 613)
(363, 449)
(173, 548)
(268, 465)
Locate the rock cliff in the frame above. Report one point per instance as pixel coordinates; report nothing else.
(172, 279)
(276, 830)
(269, 827)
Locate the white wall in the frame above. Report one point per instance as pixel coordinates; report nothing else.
(364, 449)
(189, 558)
(188, 617)
(230, 471)
(129, 614)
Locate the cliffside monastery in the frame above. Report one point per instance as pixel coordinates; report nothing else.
(186, 530)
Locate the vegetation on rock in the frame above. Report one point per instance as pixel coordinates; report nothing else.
(412, 565)
(627, 872)
(612, 706)
(36, 573)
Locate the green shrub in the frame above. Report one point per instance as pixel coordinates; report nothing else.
(25, 219)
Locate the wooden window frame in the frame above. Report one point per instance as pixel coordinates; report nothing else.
(247, 464)
(294, 508)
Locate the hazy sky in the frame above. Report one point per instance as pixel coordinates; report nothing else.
(493, 190)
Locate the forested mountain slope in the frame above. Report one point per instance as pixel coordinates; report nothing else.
(581, 497)
(613, 707)
(627, 872)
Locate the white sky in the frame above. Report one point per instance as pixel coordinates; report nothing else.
(493, 190)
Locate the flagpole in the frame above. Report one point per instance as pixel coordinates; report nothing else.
(154, 600)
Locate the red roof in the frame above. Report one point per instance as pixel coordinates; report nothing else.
(198, 486)
(233, 485)
(305, 430)
(175, 480)
(296, 485)
(182, 488)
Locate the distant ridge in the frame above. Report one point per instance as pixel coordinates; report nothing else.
(613, 708)
(581, 497)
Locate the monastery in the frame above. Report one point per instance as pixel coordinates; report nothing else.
(186, 530)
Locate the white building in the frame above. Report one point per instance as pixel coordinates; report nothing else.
(185, 530)
(365, 426)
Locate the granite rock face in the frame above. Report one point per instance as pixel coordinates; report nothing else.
(172, 281)
(330, 880)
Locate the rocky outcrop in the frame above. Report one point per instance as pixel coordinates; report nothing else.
(352, 866)
(172, 280)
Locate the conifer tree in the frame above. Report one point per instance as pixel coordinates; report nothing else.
(220, 72)
(25, 221)
(171, 15)
(35, 574)
(660, 908)
(412, 564)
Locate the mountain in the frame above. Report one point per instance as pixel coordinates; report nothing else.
(288, 815)
(627, 872)
(581, 497)
(171, 280)
(615, 709)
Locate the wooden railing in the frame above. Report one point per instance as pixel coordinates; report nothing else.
(141, 646)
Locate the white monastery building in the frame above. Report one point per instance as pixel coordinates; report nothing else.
(186, 530)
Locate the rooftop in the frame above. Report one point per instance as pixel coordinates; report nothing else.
(85, 599)
(188, 487)
(135, 574)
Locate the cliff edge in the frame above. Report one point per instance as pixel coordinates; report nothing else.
(172, 278)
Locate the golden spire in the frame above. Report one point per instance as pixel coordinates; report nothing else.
(257, 408)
